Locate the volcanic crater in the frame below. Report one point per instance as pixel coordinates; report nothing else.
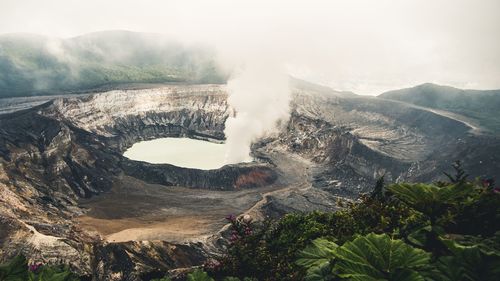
(69, 193)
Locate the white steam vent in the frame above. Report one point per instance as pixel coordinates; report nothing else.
(260, 96)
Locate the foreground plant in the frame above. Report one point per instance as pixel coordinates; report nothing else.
(405, 231)
(370, 257)
(19, 270)
(471, 258)
(199, 275)
(378, 257)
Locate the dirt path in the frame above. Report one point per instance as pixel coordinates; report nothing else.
(475, 128)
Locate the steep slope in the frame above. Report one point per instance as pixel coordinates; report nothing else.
(68, 193)
(482, 106)
(36, 65)
(57, 154)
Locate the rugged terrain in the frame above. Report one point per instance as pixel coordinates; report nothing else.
(68, 193)
(479, 106)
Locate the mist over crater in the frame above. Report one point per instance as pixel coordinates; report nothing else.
(216, 140)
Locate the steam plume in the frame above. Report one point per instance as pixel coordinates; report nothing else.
(260, 96)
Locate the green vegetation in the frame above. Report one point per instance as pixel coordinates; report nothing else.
(19, 270)
(378, 257)
(442, 231)
(402, 232)
(35, 65)
(199, 275)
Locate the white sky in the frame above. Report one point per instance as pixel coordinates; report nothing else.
(363, 46)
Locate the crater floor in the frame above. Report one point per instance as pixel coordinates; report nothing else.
(137, 211)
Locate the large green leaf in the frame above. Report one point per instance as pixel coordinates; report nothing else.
(199, 275)
(15, 270)
(320, 273)
(458, 243)
(419, 237)
(316, 258)
(378, 257)
(321, 251)
(470, 265)
(427, 198)
(474, 258)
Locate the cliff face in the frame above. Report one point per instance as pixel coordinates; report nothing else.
(67, 149)
(354, 140)
(68, 193)
(105, 114)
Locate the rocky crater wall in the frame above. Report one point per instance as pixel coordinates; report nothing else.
(336, 144)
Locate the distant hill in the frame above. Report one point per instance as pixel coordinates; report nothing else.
(302, 85)
(483, 106)
(34, 65)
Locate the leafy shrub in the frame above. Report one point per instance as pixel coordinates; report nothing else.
(431, 200)
(319, 253)
(18, 270)
(479, 214)
(378, 257)
(199, 275)
(472, 258)
(270, 250)
(370, 257)
(318, 259)
(407, 231)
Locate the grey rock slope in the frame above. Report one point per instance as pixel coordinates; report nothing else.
(479, 106)
(68, 193)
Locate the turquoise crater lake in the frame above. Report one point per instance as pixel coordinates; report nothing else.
(182, 152)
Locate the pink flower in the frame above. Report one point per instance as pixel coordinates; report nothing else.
(248, 231)
(488, 183)
(213, 264)
(234, 238)
(34, 267)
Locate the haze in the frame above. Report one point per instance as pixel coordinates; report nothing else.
(362, 46)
